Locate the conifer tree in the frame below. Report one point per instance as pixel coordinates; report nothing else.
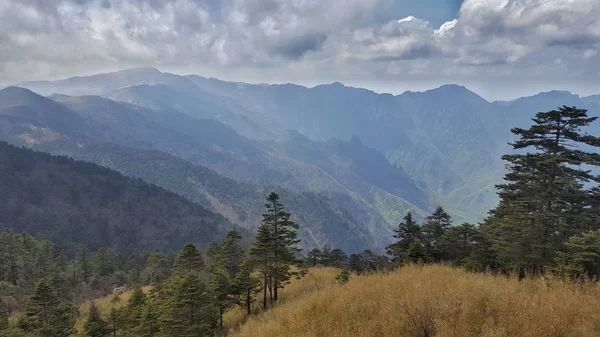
(459, 242)
(189, 260)
(115, 321)
(246, 286)
(284, 240)
(337, 258)
(313, 257)
(188, 309)
(95, 325)
(231, 253)
(433, 230)
(158, 266)
(325, 256)
(83, 259)
(416, 253)
(4, 314)
(407, 232)
(134, 309)
(45, 314)
(356, 264)
(262, 257)
(104, 262)
(222, 289)
(149, 325)
(580, 256)
(544, 201)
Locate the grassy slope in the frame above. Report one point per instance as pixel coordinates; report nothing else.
(436, 301)
(317, 279)
(104, 305)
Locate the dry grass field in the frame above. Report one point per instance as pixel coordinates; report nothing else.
(104, 305)
(427, 301)
(317, 279)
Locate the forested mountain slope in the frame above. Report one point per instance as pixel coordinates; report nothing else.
(72, 202)
(321, 218)
(443, 144)
(210, 143)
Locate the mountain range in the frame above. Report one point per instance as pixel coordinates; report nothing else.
(348, 162)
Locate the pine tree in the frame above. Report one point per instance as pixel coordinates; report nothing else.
(105, 262)
(222, 289)
(149, 325)
(45, 314)
(115, 321)
(407, 232)
(262, 257)
(580, 256)
(134, 309)
(459, 242)
(433, 230)
(337, 258)
(4, 314)
(416, 253)
(231, 253)
(544, 201)
(83, 259)
(356, 263)
(189, 260)
(284, 240)
(95, 325)
(188, 309)
(158, 266)
(325, 258)
(246, 286)
(313, 257)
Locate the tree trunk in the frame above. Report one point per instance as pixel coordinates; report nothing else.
(265, 294)
(248, 300)
(271, 290)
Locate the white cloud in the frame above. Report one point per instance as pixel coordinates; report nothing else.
(291, 39)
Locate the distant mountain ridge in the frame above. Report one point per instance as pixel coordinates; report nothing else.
(207, 141)
(387, 153)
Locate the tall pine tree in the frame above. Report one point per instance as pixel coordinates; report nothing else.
(433, 229)
(284, 237)
(45, 314)
(408, 231)
(545, 198)
(189, 260)
(95, 325)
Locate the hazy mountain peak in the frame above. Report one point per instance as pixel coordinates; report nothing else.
(12, 90)
(140, 70)
(18, 96)
(453, 89)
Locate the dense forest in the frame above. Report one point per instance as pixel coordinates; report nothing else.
(189, 291)
(545, 224)
(71, 202)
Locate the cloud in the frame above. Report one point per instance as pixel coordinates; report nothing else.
(358, 39)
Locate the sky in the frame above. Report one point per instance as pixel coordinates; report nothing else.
(501, 49)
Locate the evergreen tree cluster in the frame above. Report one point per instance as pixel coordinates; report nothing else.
(437, 240)
(190, 290)
(548, 218)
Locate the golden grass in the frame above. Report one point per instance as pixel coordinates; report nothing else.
(104, 305)
(317, 279)
(435, 301)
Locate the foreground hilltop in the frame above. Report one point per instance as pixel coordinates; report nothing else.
(417, 301)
